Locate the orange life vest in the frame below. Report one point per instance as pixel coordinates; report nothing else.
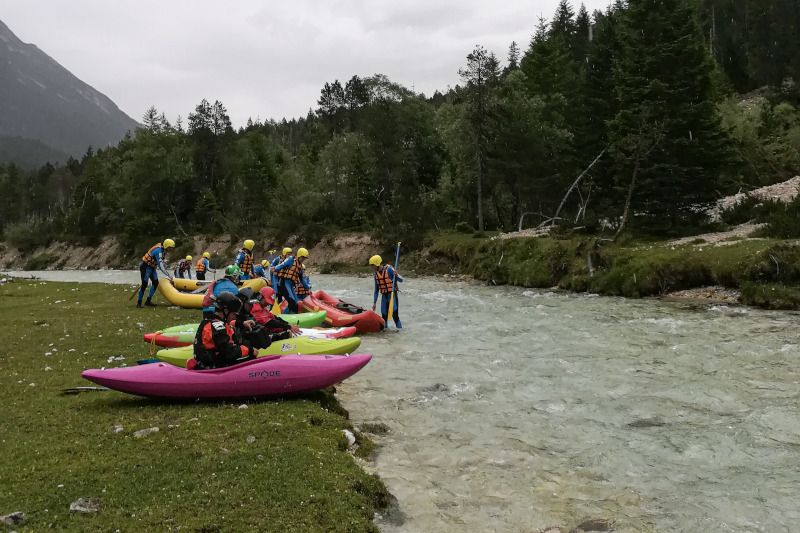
(200, 266)
(247, 262)
(299, 288)
(292, 273)
(148, 257)
(384, 280)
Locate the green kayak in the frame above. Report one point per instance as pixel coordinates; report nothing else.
(295, 345)
(183, 334)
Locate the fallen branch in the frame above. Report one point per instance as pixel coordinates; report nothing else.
(575, 183)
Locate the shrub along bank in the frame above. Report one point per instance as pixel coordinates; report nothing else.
(767, 271)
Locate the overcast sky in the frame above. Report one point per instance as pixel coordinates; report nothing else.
(265, 59)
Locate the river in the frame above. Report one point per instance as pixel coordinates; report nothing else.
(512, 410)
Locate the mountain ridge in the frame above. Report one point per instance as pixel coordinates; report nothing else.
(43, 101)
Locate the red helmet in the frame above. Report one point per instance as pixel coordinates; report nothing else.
(267, 295)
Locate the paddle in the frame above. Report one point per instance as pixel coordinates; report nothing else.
(134, 292)
(394, 286)
(78, 390)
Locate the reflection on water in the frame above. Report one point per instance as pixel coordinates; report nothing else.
(512, 410)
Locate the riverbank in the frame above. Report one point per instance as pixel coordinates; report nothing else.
(728, 267)
(141, 464)
(758, 272)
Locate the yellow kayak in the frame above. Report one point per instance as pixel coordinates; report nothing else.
(295, 345)
(172, 291)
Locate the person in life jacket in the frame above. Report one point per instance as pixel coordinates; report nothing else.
(259, 269)
(184, 268)
(251, 330)
(152, 261)
(384, 285)
(261, 311)
(203, 266)
(244, 259)
(274, 279)
(303, 287)
(220, 286)
(288, 272)
(215, 344)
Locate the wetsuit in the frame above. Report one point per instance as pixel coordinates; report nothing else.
(383, 287)
(288, 273)
(244, 259)
(274, 279)
(303, 287)
(258, 271)
(152, 261)
(215, 289)
(215, 346)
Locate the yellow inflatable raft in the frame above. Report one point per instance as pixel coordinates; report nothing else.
(172, 291)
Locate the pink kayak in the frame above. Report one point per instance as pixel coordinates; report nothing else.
(275, 375)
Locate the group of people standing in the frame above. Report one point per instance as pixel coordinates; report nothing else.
(285, 271)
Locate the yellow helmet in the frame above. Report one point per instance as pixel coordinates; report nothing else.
(302, 252)
(188, 257)
(286, 251)
(169, 243)
(249, 244)
(206, 255)
(264, 262)
(375, 260)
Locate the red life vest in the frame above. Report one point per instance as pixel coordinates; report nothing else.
(200, 266)
(148, 257)
(209, 293)
(384, 280)
(183, 265)
(261, 314)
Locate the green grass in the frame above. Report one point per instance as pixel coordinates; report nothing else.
(198, 473)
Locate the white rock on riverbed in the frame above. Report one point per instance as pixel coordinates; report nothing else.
(84, 505)
(144, 432)
(351, 439)
(13, 519)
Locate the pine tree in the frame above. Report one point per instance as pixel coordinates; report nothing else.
(513, 57)
(666, 136)
(480, 74)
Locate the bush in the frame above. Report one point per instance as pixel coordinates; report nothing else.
(464, 227)
(771, 296)
(744, 211)
(29, 236)
(783, 220)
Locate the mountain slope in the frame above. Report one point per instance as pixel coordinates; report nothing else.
(43, 101)
(28, 153)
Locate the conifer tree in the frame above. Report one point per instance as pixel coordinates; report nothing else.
(666, 136)
(480, 75)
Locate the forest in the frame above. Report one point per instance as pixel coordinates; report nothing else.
(660, 106)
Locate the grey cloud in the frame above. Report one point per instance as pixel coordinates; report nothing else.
(265, 59)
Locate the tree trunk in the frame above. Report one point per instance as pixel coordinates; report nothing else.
(480, 194)
(627, 210)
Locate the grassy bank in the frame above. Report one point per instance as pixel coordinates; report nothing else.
(766, 270)
(212, 466)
